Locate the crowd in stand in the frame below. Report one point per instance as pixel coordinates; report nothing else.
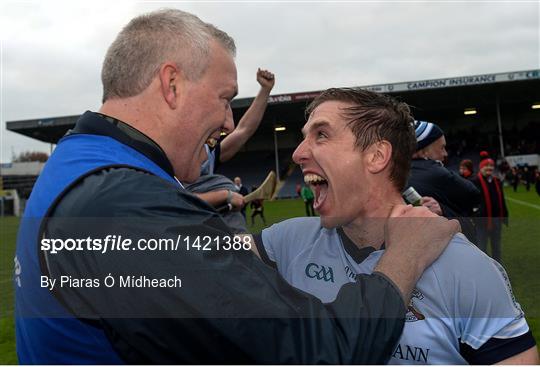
(516, 141)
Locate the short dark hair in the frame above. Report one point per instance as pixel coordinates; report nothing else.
(375, 117)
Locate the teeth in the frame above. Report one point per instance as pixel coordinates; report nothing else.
(312, 178)
(211, 142)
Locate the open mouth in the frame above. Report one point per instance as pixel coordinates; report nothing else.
(319, 185)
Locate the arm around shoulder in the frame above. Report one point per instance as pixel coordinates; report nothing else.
(528, 357)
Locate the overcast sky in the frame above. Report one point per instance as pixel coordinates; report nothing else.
(52, 50)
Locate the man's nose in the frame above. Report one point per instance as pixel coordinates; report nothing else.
(301, 154)
(228, 126)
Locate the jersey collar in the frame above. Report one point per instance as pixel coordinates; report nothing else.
(358, 254)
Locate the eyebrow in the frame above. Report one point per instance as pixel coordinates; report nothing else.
(314, 126)
(230, 94)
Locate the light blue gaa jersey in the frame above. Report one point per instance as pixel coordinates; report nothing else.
(463, 300)
(208, 166)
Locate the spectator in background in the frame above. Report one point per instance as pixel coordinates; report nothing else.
(513, 177)
(527, 177)
(492, 210)
(466, 168)
(257, 208)
(504, 169)
(537, 181)
(298, 190)
(307, 196)
(242, 190)
(444, 192)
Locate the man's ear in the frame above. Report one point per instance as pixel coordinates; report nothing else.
(378, 156)
(169, 77)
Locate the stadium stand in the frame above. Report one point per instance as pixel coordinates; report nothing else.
(506, 122)
(289, 188)
(253, 167)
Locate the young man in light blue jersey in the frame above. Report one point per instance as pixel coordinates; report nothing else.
(356, 155)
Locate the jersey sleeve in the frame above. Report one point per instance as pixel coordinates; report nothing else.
(216, 152)
(481, 302)
(282, 241)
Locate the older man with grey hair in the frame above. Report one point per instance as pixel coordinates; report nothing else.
(117, 263)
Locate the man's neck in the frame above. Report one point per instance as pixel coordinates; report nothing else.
(131, 110)
(368, 230)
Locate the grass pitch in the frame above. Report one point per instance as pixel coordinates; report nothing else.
(521, 258)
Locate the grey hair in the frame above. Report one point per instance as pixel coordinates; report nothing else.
(139, 50)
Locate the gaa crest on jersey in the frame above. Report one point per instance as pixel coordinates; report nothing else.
(320, 272)
(412, 311)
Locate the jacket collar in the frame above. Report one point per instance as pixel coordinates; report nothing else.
(94, 123)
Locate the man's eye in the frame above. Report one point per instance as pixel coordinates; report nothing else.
(321, 134)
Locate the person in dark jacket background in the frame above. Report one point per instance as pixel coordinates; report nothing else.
(513, 177)
(537, 181)
(492, 211)
(443, 191)
(527, 177)
(242, 190)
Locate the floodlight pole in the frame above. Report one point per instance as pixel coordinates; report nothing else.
(276, 153)
(501, 142)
